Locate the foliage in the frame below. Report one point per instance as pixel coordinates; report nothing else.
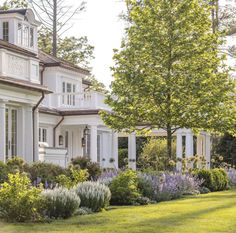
(18, 200)
(123, 157)
(71, 49)
(84, 211)
(45, 172)
(60, 202)
(154, 155)
(8, 4)
(93, 168)
(168, 186)
(226, 147)
(107, 176)
(3, 172)
(124, 188)
(96, 85)
(214, 179)
(142, 200)
(74, 177)
(16, 164)
(93, 195)
(169, 72)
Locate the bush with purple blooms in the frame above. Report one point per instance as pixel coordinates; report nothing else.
(167, 186)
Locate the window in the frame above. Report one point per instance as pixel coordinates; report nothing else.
(68, 91)
(5, 32)
(42, 135)
(19, 34)
(31, 37)
(26, 36)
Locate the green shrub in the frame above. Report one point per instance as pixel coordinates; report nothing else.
(93, 168)
(47, 172)
(123, 157)
(215, 179)
(154, 155)
(3, 172)
(74, 177)
(145, 188)
(18, 200)
(124, 188)
(16, 164)
(60, 202)
(93, 195)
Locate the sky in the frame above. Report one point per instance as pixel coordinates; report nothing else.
(104, 29)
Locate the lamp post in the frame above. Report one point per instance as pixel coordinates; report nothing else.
(85, 140)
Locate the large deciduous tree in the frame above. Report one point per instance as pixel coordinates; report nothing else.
(169, 73)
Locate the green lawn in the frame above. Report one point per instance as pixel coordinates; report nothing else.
(215, 212)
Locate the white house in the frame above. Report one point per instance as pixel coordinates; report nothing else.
(47, 112)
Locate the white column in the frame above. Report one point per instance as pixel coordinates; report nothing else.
(189, 144)
(36, 135)
(199, 149)
(93, 143)
(2, 131)
(28, 134)
(208, 150)
(179, 150)
(115, 148)
(132, 151)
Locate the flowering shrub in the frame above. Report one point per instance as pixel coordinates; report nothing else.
(18, 200)
(60, 202)
(93, 195)
(107, 176)
(167, 186)
(124, 188)
(231, 175)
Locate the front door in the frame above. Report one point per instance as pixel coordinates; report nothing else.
(11, 132)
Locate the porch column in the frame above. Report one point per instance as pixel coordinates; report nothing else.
(208, 150)
(2, 132)
(36, 135)
(189, 144)
(132, 151)
(115, 148)
(179, 150)
(199, 149)
(93, 143)
(28, 134)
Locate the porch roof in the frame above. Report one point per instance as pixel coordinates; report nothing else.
(24, 84)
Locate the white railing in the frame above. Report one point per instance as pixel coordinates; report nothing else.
(84, 100)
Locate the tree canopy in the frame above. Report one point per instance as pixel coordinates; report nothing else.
(169, 72)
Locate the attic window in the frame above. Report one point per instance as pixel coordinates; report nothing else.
(31, 37)
(19, 33)
(26, 36)
(5, 32)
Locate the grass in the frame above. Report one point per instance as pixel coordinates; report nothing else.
(214, 212)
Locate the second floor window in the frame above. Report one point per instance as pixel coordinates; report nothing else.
(19, 34)
(68, 90)
(5, 31)
(26, 36)
(42, 135)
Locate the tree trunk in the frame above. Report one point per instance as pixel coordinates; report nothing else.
(169, 142)
(54, 40)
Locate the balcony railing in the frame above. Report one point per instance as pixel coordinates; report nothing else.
(84, 100)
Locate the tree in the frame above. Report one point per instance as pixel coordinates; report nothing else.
(71, 49)
(14, 4)
(55, 16)
(169, 73)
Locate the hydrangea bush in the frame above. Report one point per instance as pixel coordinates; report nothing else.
(60, 202)
(93, 195)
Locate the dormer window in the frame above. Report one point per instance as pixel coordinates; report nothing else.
(5, 31)
(19, 34)
(31, 37)
(26, 36)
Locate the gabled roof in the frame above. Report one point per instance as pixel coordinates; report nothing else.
(19, 11)
(50, 61)
(14, 48)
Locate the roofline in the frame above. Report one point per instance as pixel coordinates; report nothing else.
(24, 84)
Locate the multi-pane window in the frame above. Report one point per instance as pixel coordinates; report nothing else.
(26, 36)
(5, 31)
(31, 37)
(68, 90)
(42, 135)
(19, 33)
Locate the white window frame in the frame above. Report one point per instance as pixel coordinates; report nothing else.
(5, 36)
(43, 134)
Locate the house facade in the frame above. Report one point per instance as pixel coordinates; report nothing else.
(48, 111)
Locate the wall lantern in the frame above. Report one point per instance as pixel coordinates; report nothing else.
(60, 140)
(85, 134)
